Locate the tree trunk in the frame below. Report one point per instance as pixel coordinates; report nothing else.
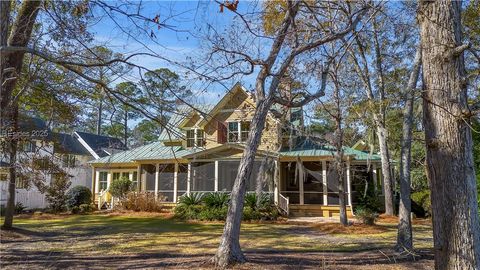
(125, 127)
(386, 168)
(339, 154)
(99, 117)
(11, 68)
(450, 170)
(404, 236)
(229, 251)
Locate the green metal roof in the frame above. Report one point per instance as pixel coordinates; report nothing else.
(155, 150)
(309, 148)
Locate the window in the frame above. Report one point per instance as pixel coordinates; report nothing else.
(115, 176)
(21, 182)
(134, 181)
(238, 131)
(68, 161)
(200, 138)
(42, 163)
(191, 138)
(126, 174)
(233, 132)
(195, 138)
(28, 147)
(245, 128)
(3, 177)
(102, 181)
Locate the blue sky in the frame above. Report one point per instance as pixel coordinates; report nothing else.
(187, 18)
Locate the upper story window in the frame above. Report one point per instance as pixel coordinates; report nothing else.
(68, 161)
(238, 131)
(28, 146)
(195, 138)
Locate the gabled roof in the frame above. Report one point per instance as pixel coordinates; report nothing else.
(172, 132)
(97, 145)
(68, 144)
(235, 89)
(152, 151)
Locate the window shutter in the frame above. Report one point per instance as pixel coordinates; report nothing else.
(221, 132)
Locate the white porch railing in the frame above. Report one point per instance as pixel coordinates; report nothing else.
(283, 203)
(102, 199)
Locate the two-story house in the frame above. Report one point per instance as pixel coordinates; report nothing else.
(40, 151)
(200, 151)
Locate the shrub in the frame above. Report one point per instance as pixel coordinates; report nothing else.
(252, 201)
(78, 195)
(19, 208)
(370, 199)
(119, 188)
(139, 201)
(56, 192)
(193, 198)
(216, 200)
(215, 213)
(214, 206)
(366, 215)
(86, 208)
(422, 198)
(186, 212)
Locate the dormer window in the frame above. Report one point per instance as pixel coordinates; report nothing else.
(195, 138)
(238, 131)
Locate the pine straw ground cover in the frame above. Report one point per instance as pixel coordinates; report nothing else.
(145, 240)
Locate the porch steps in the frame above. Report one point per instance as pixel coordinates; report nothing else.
(315, 210)
(167, 207)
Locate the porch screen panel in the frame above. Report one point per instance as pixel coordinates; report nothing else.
(182, 179)
(149, 174)
(165, 181)
(203, 176)
(332, 184)
(360, 178)
(313, 185)
(252, 181)
(227, 172)
(290, 188)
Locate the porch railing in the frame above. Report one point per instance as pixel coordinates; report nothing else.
(102, 199)
(283, 203)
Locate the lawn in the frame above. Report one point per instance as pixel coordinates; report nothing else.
(147, 240)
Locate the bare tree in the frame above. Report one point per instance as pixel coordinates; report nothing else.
(405, 237)
(271, 70)
(450, 170)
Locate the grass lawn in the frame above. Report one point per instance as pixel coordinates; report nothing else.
(147, 240)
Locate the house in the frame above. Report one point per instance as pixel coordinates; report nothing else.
(41, 150)
(201, 149)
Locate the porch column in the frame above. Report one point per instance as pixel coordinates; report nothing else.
(189, 177)
(109, 179)
(300, 187)
(216, 175)
(94, 185)
(175, 183)
(349, 185)
(375, 177)
(97, 177)
(156, 180)
(324, 178)
(139, 177)
(276, 178)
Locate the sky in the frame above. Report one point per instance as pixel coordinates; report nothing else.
(179, 41)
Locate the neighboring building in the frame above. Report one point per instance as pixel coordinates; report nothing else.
(70, 152)
(200, 152)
